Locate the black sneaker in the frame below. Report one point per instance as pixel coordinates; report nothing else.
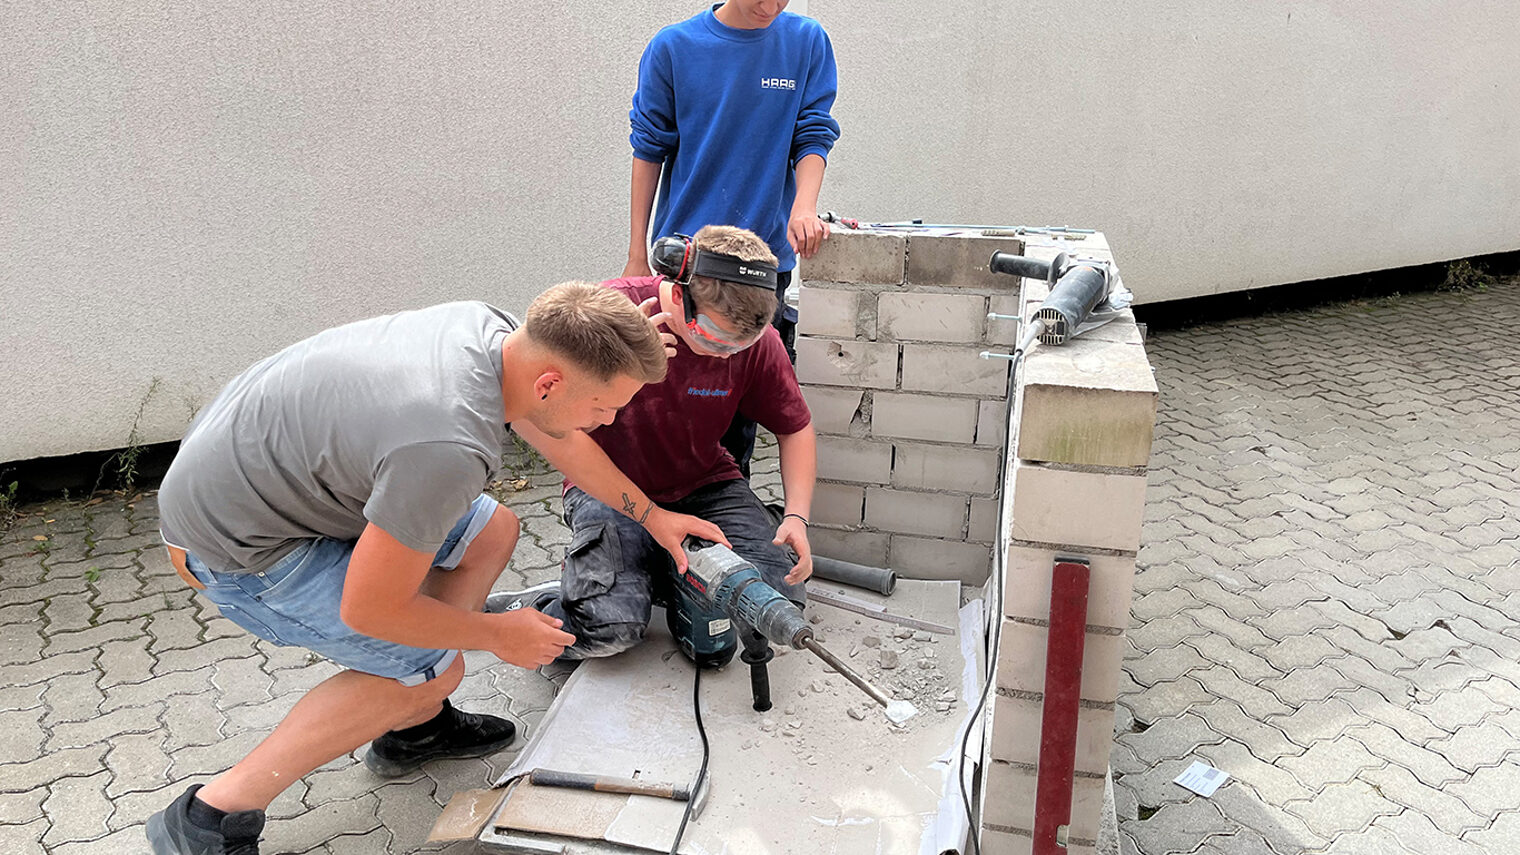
(459, 734)
(534, 598)
(170, 831)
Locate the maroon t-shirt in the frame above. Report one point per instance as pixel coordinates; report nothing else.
(667, 440)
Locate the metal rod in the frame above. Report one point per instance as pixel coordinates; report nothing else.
(871, 610)
(849, 674)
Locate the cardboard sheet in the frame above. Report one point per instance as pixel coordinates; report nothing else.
(822, 772)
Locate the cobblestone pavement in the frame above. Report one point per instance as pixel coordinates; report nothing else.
(1330, 585)
(1326, 609)
(120, 688)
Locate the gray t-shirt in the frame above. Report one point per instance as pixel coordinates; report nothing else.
(396, 421)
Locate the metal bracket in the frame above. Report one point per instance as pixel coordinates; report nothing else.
(1063, 694)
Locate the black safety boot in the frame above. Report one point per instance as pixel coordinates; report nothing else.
(170, 831)
(451, 733)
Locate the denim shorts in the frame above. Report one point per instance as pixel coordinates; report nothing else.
(295, 603)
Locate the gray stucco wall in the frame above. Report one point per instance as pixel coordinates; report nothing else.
(187, 187)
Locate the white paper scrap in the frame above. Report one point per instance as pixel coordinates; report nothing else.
(1201, 779)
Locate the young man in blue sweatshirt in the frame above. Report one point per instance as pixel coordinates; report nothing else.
(731, 124)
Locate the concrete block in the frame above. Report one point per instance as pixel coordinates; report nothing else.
(838, 504)
(857, 460)
(983, 526)
(1005, 332)
(944, 467)
(959, 261)
(930, 417)
(992, 422)
(1110, 585)
(856, 364)
(1011, 800)
(835, 409)
(946, 368)
(953, 560)
(862, 547)
(829, 311)
(1085, 402)
(1078, 509)
(917, 316)
(1021, 661)
(863, 257)
(995, 842)
(1016, 733)
(935, 514)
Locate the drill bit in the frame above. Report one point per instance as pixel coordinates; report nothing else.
(897, 711)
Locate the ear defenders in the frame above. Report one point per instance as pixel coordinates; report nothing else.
(678, 259)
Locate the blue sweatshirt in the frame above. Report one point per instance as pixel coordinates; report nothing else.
(730, 112)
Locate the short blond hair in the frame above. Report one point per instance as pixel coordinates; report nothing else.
(597, 329)
(749, 309)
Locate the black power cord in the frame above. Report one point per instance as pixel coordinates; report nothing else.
(999, 568)
(696, 788)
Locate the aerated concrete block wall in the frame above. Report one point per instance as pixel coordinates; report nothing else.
(910, 419)
(1083, 420)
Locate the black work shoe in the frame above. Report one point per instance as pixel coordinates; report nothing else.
(534, 598)
(170, 831)
(459, 734)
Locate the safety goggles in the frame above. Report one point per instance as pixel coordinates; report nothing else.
(712, 337)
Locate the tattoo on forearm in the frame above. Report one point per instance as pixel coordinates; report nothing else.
(647, 508)
(629, 505)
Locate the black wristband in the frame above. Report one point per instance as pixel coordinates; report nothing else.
(798, 516)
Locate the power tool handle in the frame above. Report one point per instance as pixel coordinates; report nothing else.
(1018, 265)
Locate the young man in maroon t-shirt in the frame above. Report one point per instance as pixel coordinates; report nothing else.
(728, 360)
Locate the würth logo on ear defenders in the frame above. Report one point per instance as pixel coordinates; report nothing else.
(777, 83)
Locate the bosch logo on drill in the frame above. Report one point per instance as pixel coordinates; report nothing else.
(777, 83)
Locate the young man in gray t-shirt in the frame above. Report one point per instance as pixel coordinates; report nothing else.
(330, 498)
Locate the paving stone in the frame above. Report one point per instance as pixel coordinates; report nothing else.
(1222, 651)
(21, 808)
(1187, 820)
(1449, 813)
(92, 638)
(1340, 808)
(1457, 708)
(205, 654)
(137, 763)
(1331, 761)
(1255, 700)
(1316, 683)
(1301, 651)
(1270, 782)
(52, 766)
(1243, 635)
(77, 809)
(1395, 689)
(330, 819)
(1284, 832)
(23, 839)
(1165, 664)
(143, 719)
(1167, 699)
(73, 697)
(1502, 836)
(1429, 767)
(1171, 738)
(1491, 790)
(1470, 748)
(129, 841)
(1418, 834)
(1266, 741)
(21, 735)
(1368, 841)
(125, 662)
(216, 757)
(168, 686)
(192, 720)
